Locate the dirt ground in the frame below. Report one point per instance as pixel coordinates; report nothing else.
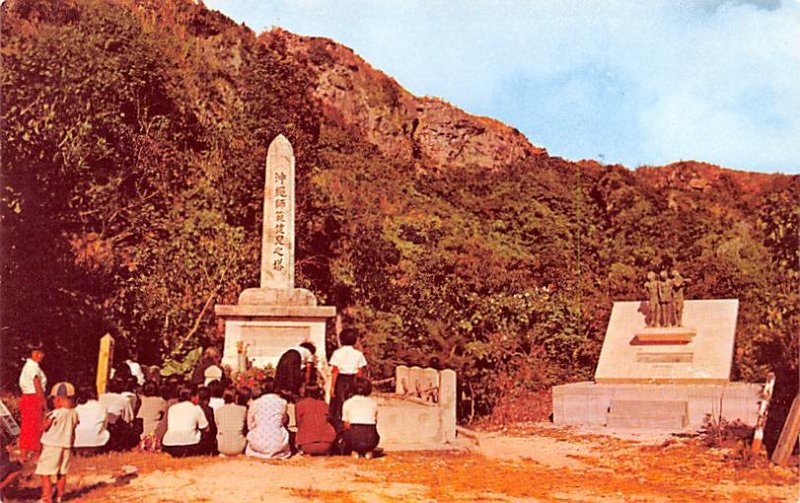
(525, 463)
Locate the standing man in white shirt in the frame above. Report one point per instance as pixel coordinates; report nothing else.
(32, 383)
(136, 371)
(347, 363)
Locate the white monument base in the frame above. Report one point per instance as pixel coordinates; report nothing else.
(268, 331)
(656, 407)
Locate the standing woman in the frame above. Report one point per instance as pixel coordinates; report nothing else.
(32, 382)
(347, 363)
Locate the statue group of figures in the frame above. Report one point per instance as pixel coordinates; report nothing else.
(665, 298)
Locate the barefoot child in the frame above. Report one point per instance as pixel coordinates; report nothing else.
(57, 440)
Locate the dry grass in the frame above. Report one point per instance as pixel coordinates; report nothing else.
(320, 495)
(679, 471)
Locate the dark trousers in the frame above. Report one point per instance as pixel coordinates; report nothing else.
(361, 438)
(182, 451)
(124, 436)
(342, 391)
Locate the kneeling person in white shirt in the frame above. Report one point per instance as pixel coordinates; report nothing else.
(92, 434)
(185, 422)
(360, 421)
(124, 435)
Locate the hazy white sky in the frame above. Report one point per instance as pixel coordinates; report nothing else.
(621, 81)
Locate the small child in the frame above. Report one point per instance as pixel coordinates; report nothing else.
(347, 363)
(57, 440)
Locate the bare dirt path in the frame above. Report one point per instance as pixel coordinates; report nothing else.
(535, 463)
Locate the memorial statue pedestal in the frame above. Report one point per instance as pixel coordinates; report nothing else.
(654, 407)
(700, 352)
(269, 330)
(662, 378)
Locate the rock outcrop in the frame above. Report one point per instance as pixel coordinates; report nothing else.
(375, 108)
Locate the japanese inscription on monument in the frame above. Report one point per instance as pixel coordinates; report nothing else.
(277, 245)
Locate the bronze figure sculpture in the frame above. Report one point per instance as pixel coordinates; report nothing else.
(678, 295)
(665, 300)
(651, 286)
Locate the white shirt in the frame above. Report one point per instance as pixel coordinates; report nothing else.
(136, 371)
(306, 356)
(348, 360)
(118, 407)
(184, 422)
(360, 410)
(91, 430)
(30, 370)
(61, 432)
(131, 396)
(215, 403)
(212, 373)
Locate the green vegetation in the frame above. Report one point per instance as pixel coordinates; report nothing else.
(133, 142)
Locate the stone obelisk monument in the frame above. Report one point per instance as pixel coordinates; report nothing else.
(277, 242)
(272, 318)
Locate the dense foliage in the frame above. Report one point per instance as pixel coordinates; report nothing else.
(133, 142)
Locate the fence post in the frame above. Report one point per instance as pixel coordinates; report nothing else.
(763, 407)
(104, 359)
(789, 434)
(447, 403)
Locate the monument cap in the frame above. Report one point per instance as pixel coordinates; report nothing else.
(63, 389)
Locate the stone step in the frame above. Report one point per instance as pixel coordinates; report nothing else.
(647, 421)
(649, 407)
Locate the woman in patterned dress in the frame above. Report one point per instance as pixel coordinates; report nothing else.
(267, 418)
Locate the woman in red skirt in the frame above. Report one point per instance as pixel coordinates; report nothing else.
(32, 382)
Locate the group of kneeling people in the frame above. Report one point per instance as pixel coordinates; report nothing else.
(189, 419)
(209, 420)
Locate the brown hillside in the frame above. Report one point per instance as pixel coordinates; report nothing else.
(701, 177)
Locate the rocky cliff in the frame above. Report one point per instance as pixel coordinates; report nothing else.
(374, 107)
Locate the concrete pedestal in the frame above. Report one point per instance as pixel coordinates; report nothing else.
(700, 352)
(269, 331)
(663, 407)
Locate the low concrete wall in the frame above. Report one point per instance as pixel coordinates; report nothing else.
(422, 409)
(404, 421)
(588, 402)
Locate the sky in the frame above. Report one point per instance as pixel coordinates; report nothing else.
(620, 81)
